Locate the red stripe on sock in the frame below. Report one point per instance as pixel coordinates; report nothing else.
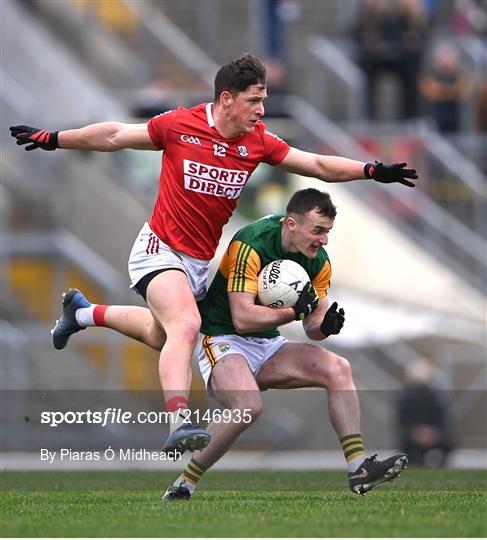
(99, 315)
(176, 402)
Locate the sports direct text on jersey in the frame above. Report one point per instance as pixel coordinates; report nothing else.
(214, 180)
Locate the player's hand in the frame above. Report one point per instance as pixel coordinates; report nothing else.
(307, 302)
(387, 174)
(333, 320)
(35, 137)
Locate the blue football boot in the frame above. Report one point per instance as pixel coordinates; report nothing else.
(187, 437)
(67, 325)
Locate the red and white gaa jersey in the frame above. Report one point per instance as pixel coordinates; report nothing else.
(203, 175)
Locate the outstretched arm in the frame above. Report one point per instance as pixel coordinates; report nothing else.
(102, 137)
(340, 169)
(107, 137)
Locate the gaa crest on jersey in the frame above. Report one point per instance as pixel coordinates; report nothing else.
(224, 347)
(242, 150)
(190, 139)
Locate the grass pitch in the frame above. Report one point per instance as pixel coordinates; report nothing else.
(422, 503)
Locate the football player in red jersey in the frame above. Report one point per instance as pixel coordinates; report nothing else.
(210, 151)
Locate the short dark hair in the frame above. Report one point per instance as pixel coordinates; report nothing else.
(238, 74)
(308, 199)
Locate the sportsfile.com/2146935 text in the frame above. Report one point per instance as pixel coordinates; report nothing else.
(112, 415)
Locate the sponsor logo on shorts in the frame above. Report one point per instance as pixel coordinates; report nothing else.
(214, 181)
(190, 139)
(224, 347)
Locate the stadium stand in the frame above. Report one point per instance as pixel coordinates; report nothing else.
(55, 207)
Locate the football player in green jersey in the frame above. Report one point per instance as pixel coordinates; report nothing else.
(241, 352)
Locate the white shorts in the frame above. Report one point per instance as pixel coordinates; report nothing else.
(211, 349)
(150, 253)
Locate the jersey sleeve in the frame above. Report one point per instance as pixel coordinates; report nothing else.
(158, 127)
(275, 149)
(321, 282)
(243, 268)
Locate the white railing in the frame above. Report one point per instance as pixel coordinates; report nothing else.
(174, 39)
(453, 160)
(345, 70)
(71, 249)
(436, 217)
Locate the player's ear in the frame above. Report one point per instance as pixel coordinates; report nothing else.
(226, 98)
(290, 222)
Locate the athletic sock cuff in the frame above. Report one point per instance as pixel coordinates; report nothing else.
(176, 402)
(348, 437)
(99, 315)
(204, 468)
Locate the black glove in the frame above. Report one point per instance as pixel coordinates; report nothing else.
(333, 320)
(387, 174)
(38, 138)
(307, 302)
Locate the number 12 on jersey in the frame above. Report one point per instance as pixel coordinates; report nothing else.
(219, 151)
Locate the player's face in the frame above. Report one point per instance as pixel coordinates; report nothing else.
(310, 232)
(246, 108)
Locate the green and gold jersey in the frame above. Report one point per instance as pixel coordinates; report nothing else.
(252, 248)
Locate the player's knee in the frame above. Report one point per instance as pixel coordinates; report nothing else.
(254, 411)
(184, 328)
(341, 370)
(250, 408)
(191, 327)
(250, 414)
